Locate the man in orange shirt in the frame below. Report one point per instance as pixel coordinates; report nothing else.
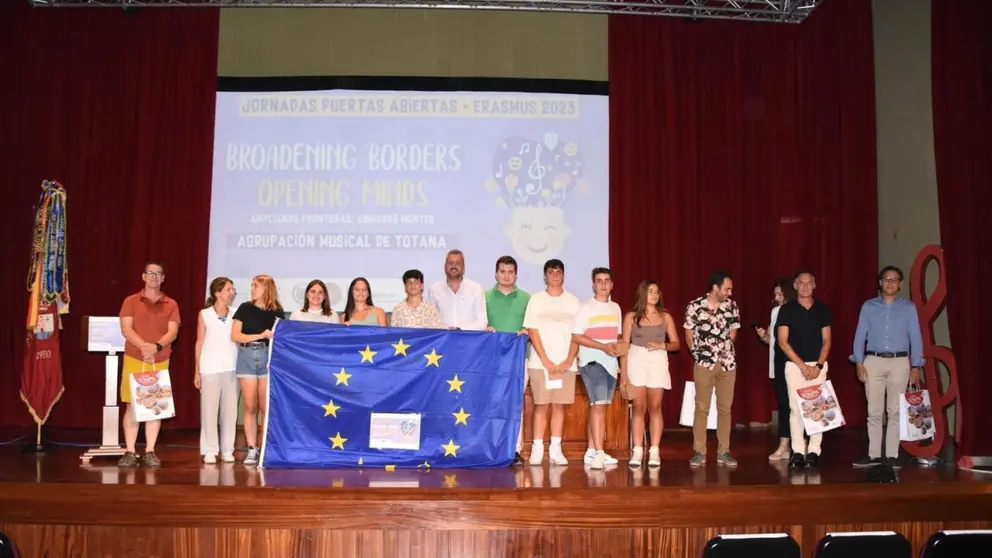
(149, 322)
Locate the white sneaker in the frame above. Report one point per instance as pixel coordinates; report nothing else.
(536, 454)
(591, 454)
(556, 457)
(654, 457)
(599, 461)
(228, 458)
(636, 456)
(210, 458)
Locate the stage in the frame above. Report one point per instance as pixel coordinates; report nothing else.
(52, 506)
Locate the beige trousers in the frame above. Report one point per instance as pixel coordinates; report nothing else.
(887, 379)
(794, 380)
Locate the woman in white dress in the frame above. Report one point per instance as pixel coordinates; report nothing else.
(784, 292)
(316, 305)
(644, 374)
(216, 361)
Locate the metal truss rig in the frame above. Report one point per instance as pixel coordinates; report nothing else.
(779, 11)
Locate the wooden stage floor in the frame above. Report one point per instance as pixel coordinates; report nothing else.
(51, 505)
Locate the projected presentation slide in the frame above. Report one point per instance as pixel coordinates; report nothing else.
(340, 184)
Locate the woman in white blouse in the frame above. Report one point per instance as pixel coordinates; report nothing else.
(216, 361)
(784, 292)
(316, 305)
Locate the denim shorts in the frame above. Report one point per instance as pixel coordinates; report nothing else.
(253, 361)
(599, 383)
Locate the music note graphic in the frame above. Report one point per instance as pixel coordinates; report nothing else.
(928, 308)
(525, 148)
(499, 173)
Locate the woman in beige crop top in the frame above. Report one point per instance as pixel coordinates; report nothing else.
(644, 370)
(359, 309)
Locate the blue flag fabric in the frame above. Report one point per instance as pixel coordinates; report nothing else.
(363, 396)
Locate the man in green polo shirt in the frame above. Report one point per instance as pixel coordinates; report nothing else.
(505, 307)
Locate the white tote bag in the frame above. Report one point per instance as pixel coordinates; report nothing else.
(689, 407)
(819, 408)
(151, 396)
(915, 416)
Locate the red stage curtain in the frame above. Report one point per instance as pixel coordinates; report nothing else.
(748, 147)
(119, 108)
(962, 125)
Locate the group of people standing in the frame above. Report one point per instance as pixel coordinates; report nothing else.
(593, 339)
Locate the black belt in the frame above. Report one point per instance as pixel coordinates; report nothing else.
(254, 344)
(901, 354)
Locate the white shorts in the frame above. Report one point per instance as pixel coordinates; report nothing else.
(648, 368)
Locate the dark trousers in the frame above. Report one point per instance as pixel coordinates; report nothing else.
(782, 395)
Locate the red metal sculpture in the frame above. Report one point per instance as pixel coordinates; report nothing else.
(928, 309)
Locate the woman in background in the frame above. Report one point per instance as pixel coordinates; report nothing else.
(252, 330)
(783, 292)
(360, 310)
(651, 332)
(216, 359)
(316, 305)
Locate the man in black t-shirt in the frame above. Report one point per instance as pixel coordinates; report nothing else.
(803, 334)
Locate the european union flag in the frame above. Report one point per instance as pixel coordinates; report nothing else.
(362, 396)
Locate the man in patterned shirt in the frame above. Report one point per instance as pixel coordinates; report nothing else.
(711, 324)
(415, 311)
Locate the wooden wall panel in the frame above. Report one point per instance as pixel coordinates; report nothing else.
(74, 541)
(574, 439)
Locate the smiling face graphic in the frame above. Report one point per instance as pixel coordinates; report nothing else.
(537, 233)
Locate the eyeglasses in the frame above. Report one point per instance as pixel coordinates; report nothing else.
(155, 273)
(891, 279)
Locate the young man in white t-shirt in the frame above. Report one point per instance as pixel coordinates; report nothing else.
(598, 325)
(549, 320)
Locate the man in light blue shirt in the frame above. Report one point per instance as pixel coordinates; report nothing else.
(888, 354)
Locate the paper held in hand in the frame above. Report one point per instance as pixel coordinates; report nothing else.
(819, 408)
(915, 416)
(151, 396)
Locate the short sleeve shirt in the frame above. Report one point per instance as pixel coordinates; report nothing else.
(424, 315)
(711, 329)
(553, 317)
(255, 320)
(151, 322)
(805, 327)
(603, 322)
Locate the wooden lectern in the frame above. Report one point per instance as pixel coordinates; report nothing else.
(103, 335)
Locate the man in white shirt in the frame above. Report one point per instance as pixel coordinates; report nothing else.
(461, 301)
(598, 325)
(549, 320)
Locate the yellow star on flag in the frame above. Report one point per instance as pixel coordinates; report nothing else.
(425, 465)
(331, 409)
(337, 442)
(451, 449)
(361, 461)
(390, 468)
(400, 348)
(455, 384)
(367, 354)
(433, 359)
(342, 378)
(461, 417)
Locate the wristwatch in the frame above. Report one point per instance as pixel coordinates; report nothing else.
(819, 365)
(158, 347)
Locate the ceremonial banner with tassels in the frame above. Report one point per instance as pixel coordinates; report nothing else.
(48, 283)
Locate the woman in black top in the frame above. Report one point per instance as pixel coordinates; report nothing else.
(252, 330)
